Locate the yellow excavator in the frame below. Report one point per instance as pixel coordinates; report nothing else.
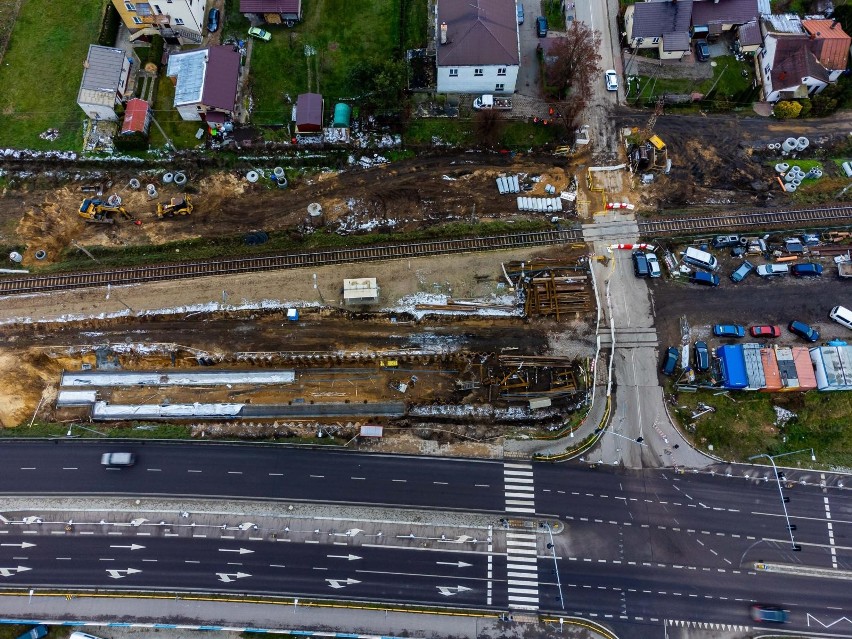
(176, 206)
(99, 212)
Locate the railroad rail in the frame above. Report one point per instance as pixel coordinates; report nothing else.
(752, 219)
(225, 266)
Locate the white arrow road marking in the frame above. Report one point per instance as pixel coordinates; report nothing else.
(131, 547)
(341, 583)
(449, 591)
(23, 544)
(457, 564)
(227, 577)
(8, 572)
(242, 551)
(349, 557)
(117, 574)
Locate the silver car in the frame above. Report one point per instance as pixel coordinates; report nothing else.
(611, 79)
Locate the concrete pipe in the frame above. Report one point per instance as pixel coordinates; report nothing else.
(252, 176)
(152, 190)
(40, 254)
(781, 167)
(789, 144)
(134, 184)
(168, 177)
(790, 188)
(790, 176)
(278, 172)
(796, 182)
(180, 179)
(802, 143)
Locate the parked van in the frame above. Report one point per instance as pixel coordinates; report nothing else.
(701, 259)
(841, 315)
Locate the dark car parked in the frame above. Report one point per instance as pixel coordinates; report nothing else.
(702, 51)
(740, 274)
(804, 331)
(640, 264)
(702, 356)
(705, 279)
(670, 363)
(541, 26)
(808, 269)
(213, 20)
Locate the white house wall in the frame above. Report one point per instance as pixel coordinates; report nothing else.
(98, 111)
(189, 112)
(467, 82)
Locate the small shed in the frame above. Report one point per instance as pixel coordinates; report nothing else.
(363, 290)
(342, 115)
(137, 117)
(309, 113)
(106, 72)
(368, 430)
(833, 367)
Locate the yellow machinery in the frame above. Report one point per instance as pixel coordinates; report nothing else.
(176, 206)
(99, 212)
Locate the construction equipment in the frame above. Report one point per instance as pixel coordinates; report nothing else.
(99, 212)
(176, 206)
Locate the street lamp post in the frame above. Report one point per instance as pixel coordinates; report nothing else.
(771, 459)
(555, 564)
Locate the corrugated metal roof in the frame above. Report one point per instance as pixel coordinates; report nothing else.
(783, 23)
(708, 12)
(101, 75)
(222, 78)
(832, 43)
(309, 112)
(189, 69)
(754, 366)
(804, 367)
(135, 116)
(787, 367)
(271, 6)
(653, 19)
(479, 32)
(770, 370)
(371, 431)
(833, 367)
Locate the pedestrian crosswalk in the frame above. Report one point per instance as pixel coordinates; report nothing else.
(521, 545)
(520, 492)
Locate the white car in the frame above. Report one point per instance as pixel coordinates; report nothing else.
(653, 265)
(771, 270)
(611, 78)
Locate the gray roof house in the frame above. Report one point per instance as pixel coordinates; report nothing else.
(206, 83)
(287, 12)
(661, 25)
(712, 17)
(478, 46)
(105, 75)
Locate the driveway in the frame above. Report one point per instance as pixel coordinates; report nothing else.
(529, 81)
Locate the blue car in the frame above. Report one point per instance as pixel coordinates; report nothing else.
(728, 330)
(702, 357)
(808, 269)
(804, 331)
(670, 363)
(772, 614)
(213, 20)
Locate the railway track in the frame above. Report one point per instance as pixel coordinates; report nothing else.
(839, 215)
(225, 266)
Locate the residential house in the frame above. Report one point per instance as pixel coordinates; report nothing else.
(832, 45)
(712, 18)
(749, 37)
(206, 83)
(309, 113)
(287, 12)
(663, 26)
(106, 72)
(479, 48)
(178, 21)
(137, 117)
(789, 68)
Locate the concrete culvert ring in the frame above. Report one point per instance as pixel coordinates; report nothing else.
(743, 241)
(134, 183)
(278, 171)
(168, 178)
(114, 200)
(252, 176)
(282, 182)
(40, 254)
(180, 179)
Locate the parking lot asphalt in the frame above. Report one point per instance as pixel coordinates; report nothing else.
(753, 301)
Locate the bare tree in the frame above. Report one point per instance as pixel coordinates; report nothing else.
(573, 64)
(488, 126)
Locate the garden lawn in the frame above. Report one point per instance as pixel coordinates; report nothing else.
(732, 81)
(744, 425)
(181, 132)
(41, 72)
(316, 55)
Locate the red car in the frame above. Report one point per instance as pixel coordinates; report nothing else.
(765, 331)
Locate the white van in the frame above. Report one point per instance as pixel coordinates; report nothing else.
(82, 635)
(701, 259)
(841, 315)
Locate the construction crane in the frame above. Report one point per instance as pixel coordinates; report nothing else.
(99, 212)
(176, 206)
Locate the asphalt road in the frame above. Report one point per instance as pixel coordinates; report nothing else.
(257, 472)
(638, 546)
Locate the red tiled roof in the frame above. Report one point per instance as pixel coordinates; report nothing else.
(832, 43)
(221, 78)
(484, 33)
(270, 6)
